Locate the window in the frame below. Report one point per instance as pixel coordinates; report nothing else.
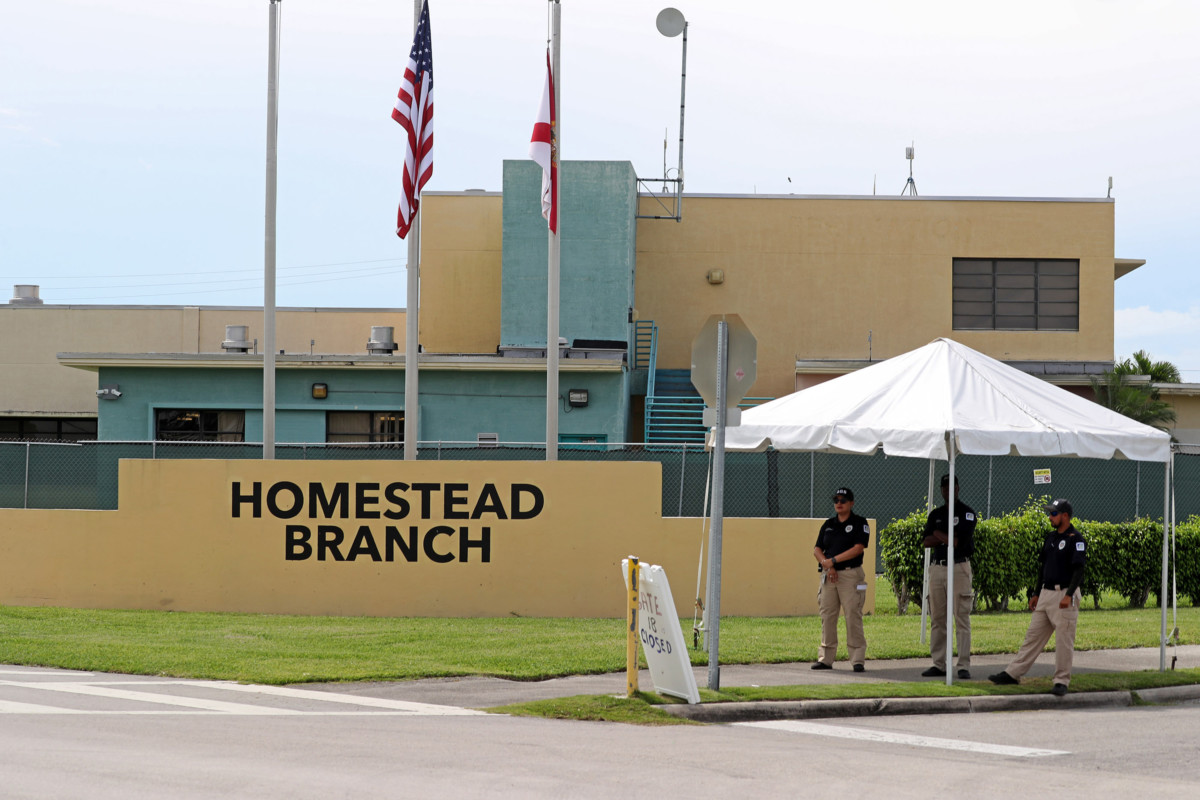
(364, 426)
(1016, 294)
(199, 426)
(47, 429)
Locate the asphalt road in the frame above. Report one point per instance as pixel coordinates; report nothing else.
(83, 735)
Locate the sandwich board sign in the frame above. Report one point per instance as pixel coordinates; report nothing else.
(660, 635)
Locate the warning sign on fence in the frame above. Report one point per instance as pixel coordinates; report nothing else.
(1041, 476)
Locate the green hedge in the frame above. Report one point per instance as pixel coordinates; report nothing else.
(1123, 557)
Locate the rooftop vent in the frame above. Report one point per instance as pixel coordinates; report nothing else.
(383, 340)
(25, 294)
(235, 339)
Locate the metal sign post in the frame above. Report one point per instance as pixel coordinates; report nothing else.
(722, 389)
(718, 516)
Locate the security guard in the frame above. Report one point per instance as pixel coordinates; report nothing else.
(839, 551)
(936, 539)
(1056, 607)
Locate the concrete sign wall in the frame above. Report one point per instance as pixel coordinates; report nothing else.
(387, 538)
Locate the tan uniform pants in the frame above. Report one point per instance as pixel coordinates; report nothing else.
(849, 598)
(1048, 619)
(964, 599)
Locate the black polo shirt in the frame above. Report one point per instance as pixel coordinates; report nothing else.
(964, 531)
(1062, 554)
(837, 537)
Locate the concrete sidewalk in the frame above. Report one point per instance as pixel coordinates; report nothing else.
(479, 692)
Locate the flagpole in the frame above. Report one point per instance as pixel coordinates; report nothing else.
(412, 313)
(552, 282)
(268, 410)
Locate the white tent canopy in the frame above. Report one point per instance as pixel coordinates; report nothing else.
(908, 404)
(914, 404)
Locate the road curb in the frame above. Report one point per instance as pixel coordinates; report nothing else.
(767, 710)
(1169, 694)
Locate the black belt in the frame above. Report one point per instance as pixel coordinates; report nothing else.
(941, 562)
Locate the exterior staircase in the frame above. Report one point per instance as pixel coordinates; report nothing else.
(674, 409)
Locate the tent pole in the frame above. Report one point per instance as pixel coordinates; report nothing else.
(1174, 633)
(1168, 518)
(950, 568)
(925, 574)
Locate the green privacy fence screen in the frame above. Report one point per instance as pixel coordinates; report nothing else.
(770, 484)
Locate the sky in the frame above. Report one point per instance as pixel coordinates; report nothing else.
(133, 132)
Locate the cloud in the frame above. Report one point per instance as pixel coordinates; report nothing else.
(1144, 320)
(1167, 335)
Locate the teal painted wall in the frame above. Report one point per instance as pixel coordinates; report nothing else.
(455, 406)
(597, 291)
(458, 407)
(598, 225)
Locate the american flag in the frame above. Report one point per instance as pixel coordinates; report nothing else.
(414, 112)
(543, 148)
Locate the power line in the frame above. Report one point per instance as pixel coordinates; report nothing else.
(213, 291)
(348, 272)
(19, 277)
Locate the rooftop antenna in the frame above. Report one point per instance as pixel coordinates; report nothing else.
(1109, 195)
(911, 187)
(670, 23)
(664, 154)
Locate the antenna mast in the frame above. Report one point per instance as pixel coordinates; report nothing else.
(911, 187)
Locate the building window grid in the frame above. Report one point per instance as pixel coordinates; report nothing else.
(181, 424)
(1016, 294)
(48, 429)
(345, 427)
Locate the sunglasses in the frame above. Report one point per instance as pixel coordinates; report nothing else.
(1053, 513)
(838, 501)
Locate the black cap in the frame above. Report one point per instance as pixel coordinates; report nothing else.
(946, 480)
(843, 492)
(1059, 506)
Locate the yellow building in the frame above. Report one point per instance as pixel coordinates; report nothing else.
(826, 284)
(42, 398)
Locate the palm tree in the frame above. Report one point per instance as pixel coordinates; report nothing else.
(1140, 363)
(1139, 400)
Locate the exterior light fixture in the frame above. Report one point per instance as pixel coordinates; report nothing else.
(320, 391)
(109, 391)
(577, 398)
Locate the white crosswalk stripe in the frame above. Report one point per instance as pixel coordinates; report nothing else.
(170, 696)
(889, 737)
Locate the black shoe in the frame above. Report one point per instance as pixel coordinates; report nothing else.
(964, 674)
(1003, 679)
(934, 672)
(861, 668)
(1059, 690)
(821, 665)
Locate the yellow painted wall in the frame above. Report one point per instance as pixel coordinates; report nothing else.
(174, 543)
(809, 275)
(32, 336)
(812, 276)
(1187, 417)
(461, 238)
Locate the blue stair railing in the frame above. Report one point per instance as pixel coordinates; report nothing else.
(674, 411)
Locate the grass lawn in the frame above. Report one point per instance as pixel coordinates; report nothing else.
(290, 649)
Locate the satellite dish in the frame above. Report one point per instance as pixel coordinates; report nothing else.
(670, 22)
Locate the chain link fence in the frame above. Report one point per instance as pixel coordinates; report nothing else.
(770, 484)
